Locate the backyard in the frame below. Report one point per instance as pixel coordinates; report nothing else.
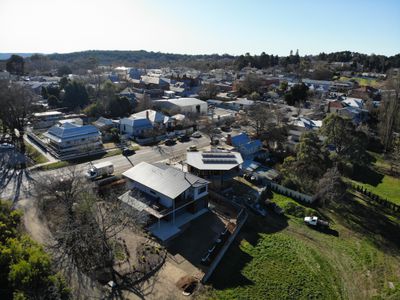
(378, 179)
(281, 258)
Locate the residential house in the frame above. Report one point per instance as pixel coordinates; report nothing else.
(333, 106)
(170, 197)
(216, 166)
(353, 102)
(246, 147)
(239, 104)
(130, 94)
(46, 119)
(155, 82)
(179, 89)
(182, 105)
(144, 123)
(357, 115)
(304, 124)
(70, 140)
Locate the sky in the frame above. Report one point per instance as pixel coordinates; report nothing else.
(201, 26)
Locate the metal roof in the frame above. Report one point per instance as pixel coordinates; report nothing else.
(164, 179)
(71, 131)
(184, 101)
(214, 160)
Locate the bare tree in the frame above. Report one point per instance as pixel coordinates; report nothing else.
(85, 227)
(15, 107)
(389, 111)
(144, 103)
(395, 156)
(259, 116)
(330, 187)
(209, 128)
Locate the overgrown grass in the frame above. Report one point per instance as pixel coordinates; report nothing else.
(270, 261)
(283, 267)
(293, 207)
(35, 155)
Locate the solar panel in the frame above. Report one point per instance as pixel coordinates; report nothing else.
(219, 161)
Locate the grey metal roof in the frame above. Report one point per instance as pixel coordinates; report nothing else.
(71, 131)
(184, 101)
(164, 179)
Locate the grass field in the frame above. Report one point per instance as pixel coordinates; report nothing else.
(281, 258)
(377, 180)
(362, 81)
(388, 188)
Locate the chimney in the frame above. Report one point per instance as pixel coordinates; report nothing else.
(147, 114)
(229, 140)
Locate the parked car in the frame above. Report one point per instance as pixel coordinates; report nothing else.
(192, 148)
(127, 151)
(314, 221)
(226, 128)
(235, 125)
(184, 138)
(217, 130)
(170, 142)
(196, 135)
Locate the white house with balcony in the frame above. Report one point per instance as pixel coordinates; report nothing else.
(69, 140)
(170, 197)
(143, 123)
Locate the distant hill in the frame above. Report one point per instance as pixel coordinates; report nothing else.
(142, 58)
(139, 57)
(4, 56)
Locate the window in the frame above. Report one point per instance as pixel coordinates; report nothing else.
(202, 190)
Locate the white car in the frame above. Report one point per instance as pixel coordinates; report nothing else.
(196, 134)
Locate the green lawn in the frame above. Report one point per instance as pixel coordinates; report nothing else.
(279, 258)
(377, 180)
(62, 164)
(54, 165)
(388, 188)
(35, 155)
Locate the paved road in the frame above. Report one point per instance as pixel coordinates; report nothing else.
(121, 163)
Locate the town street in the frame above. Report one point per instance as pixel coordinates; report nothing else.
(121, 163)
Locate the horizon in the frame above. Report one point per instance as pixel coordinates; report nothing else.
(312, 27)
(28, 54)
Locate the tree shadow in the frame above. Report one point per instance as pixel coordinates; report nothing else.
(229, 272)
(367, 175)
(326, 230)
(14, 176)
(370, 221)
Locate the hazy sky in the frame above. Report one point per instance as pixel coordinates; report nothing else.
(201, 26)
